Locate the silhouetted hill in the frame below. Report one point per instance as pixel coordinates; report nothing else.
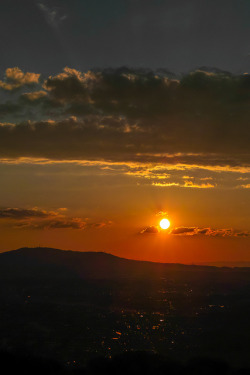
(55, 263)
(232, 264)
(75, 306)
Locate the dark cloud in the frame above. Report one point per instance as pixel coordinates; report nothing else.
(182, 230)
(152, 230)
(142, 95)
(194, 231)
(59, 223)
(242, 234)
(203, 231)
(96, 138)
(9, 108)
(20, 213)
(36, 218)
(125, 114)
(70, 86)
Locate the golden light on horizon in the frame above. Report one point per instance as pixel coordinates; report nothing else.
(164, 224)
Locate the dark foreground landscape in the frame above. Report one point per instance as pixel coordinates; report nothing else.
(65, 309)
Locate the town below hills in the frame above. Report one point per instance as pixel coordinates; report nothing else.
(73, 307)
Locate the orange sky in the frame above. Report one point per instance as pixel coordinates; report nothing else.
(110, 216)
(88, 160)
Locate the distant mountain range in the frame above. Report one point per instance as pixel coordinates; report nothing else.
(227, 264)
(54, 263)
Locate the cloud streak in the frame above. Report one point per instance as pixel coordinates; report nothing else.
(196, 231)
(22, 213)
(38, 219)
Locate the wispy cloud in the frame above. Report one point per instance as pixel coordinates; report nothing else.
(191, 184)
(165, 184)
(161, 213)
(196, 231)
(52, 15)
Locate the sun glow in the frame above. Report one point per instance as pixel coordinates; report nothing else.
(164, 224)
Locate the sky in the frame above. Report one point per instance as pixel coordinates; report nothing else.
(117, 114)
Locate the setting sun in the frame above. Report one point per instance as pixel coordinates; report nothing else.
(164, 224)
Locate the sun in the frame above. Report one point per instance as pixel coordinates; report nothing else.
(164, 224)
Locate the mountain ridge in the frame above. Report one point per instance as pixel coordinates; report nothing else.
(55, 263)
(50, 250)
